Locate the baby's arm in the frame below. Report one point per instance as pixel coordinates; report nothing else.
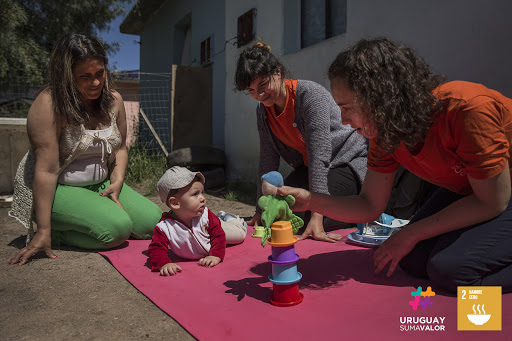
(217, 240)
(157, 250)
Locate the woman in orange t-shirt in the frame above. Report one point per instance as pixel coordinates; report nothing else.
(456, 135)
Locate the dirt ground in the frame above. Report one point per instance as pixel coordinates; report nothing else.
(79, 295)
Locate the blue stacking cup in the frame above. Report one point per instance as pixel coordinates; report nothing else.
(286, 273)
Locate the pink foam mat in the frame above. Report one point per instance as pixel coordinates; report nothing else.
(343, 298)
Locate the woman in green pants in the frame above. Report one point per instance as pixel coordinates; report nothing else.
(71, 179)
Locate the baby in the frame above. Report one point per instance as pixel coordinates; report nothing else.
(189, 229)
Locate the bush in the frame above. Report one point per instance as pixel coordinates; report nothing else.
(14, 109)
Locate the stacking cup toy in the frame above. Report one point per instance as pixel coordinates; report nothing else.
(285, 274)
(258, 231)
(281, 234)
(286, 295)
(285, 277)
(283, 255)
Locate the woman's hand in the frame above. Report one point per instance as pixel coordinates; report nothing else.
(315, 229)
(113, 191)
(302, 197)
(393, 250)
(255, 220)
(42, 241)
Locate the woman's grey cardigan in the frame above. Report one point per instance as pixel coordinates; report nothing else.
(329, 144)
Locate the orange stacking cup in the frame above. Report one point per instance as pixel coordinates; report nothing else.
(281, 234)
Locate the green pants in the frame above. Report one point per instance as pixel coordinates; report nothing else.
(83, 218)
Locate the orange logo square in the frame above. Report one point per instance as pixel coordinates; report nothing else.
(478, 308)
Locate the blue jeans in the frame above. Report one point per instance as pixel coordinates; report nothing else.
(478, 255)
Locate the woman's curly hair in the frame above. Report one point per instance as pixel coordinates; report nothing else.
(394, 87)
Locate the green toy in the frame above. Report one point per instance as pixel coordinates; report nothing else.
(277, 208)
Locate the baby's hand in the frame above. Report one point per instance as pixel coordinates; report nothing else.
(170, 269)
(209, 261)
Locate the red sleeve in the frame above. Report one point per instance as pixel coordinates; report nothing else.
(217, 236)
(379, 161)
(157, 250)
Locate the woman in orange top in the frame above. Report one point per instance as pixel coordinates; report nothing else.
(456, 135)
(299, 121)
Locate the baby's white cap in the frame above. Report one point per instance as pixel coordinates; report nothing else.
(174, 178)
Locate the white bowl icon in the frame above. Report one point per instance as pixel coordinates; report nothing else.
(479, 319)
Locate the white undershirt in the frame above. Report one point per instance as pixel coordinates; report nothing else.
(89, 167)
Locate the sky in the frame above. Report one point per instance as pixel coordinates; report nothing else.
(127, 58)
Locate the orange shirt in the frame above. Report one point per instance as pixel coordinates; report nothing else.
(472, 137)
(282, 125)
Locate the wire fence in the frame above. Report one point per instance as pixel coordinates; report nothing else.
(148, 106)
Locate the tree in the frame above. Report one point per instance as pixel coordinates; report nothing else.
(30, 28)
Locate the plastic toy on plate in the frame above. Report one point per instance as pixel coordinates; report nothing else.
(373, 234)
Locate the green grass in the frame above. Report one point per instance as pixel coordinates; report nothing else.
(231, 196)
(144, 170)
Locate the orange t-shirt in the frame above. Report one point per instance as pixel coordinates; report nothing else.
(471, 136)
(282, 125)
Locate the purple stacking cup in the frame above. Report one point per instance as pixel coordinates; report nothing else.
(283, 255)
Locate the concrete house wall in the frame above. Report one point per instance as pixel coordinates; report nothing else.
(462, 39)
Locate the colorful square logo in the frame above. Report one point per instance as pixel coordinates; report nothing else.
(478, 308)
(421, 298)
